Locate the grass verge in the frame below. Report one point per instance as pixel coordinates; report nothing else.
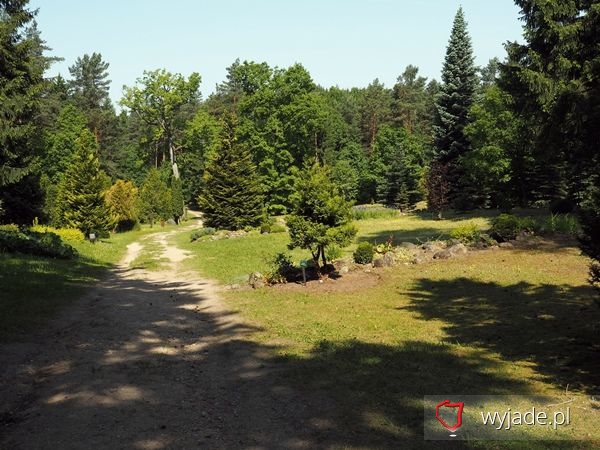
(35, 288)
(497, 322)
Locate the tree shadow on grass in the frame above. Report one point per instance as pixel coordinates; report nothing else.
(156, 364)
(35, 288)
(555, 327)
(377, 390)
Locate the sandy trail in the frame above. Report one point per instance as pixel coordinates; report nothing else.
(149, 360)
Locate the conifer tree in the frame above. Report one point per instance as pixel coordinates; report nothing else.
(122, 200)
(232, 197)
(155, 198)
(80, 198)
(459, 79)
(22, 65)
(21, 84)
(321, 216)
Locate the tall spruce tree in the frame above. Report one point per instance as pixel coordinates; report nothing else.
(80, 197)
(554, 79)
(21, 84)
(459, 81)
(232, 197)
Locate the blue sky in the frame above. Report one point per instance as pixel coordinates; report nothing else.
(344, 43)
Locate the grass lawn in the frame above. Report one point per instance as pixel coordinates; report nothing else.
(230, 261)
(509, 321)
(34, 288)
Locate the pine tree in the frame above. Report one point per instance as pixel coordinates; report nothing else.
(459, 77)
(80, 198)
(232, 196)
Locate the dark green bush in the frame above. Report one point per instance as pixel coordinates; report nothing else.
(281, 268)
(34, 243)
(506, 227)
(197, 234)
(127, 225)
(561, 206)
(364, 253)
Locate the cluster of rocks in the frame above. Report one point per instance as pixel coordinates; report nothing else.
(409, 253)
(224, 234)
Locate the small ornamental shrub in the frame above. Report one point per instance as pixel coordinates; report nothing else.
(34, 243)
(364, 253)
(66, 234)
(281, 268)
(467, 233)
(506, 227)
(197, 234)
(9, 227)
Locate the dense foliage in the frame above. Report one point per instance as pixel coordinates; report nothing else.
(522, 131)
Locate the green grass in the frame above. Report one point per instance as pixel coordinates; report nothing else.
(35, 288)
(496, 322)
(230, 261)
(362, 212)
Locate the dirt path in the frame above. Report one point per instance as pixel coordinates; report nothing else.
(149, 360)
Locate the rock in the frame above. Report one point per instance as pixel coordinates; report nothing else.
(387, 260)
(443, 254)
(343, 270)
(505, 245)
(433, 246)
(458, 249)
(256, 280)
(524, 236)
(408, 245)
(421, 258)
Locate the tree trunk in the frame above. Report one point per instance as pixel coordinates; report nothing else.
(323, 256)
